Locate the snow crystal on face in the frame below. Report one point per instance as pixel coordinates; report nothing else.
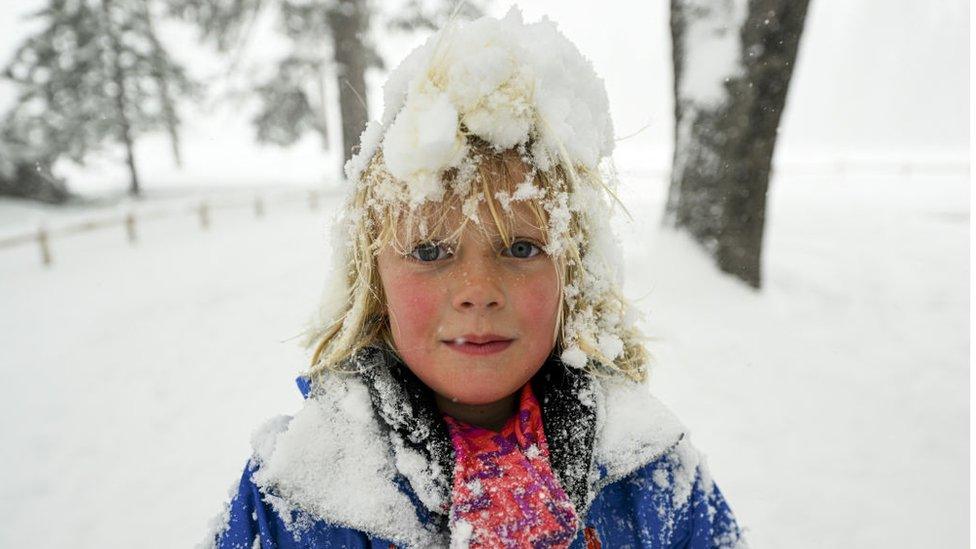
(559, 219)
(527, 191)
(505, 200)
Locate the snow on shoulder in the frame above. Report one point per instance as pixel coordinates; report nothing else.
(633, 427)
(320, 464)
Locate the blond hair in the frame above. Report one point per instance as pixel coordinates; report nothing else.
(379, 204)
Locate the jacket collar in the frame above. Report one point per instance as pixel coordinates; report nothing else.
(420, 441)
(599, 431)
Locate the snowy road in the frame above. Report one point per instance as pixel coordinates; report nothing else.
(833, 406)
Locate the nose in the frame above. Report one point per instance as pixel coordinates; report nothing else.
(478, 284)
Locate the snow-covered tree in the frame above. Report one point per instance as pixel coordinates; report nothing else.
(94, 72)
(327, 39)
(733, 60)
(27, 174)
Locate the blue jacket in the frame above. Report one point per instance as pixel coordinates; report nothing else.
(366, 463)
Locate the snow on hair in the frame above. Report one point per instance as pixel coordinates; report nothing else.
(462, 111)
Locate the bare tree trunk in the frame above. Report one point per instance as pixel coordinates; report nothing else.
(169, 108)
(349, 22)
(726, 119)
(321, 120)
(125, 129)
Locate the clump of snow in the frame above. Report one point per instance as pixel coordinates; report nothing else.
(218, 524)
(330, 454)
(501, 80)
(422, 142)
(685, 459)
(611, 345)
(660, 478)
(461, 533)
(422, 474)
(264, 437)
(573, 356)
(369, 142)
(633, 427)
(526, 191)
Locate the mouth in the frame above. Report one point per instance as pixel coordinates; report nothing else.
(473, 344)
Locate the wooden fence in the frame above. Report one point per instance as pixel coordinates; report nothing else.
(133, 218)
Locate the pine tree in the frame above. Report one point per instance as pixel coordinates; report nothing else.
(96, 72)
(327, 39)
(733, 60)
(26, 172)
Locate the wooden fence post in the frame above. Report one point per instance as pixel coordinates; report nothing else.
(313, 200)
(130, 227)
(258, 207)
(42, 240)
(204, 213)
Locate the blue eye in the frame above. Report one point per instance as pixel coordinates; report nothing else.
(522, 249)
(428, 251)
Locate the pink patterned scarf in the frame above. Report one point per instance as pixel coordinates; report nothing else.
(505, 493)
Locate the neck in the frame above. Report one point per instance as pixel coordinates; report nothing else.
(492, 416)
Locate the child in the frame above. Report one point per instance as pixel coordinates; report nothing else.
(477, 376)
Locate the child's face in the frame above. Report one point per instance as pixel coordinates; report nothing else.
(439, 296)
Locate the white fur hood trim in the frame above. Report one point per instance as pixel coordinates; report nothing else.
(633, 428)
(327, 458)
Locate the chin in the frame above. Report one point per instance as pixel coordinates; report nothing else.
(477, 398)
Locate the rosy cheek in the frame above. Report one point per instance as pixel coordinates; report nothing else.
(538, 300)
(413, 303)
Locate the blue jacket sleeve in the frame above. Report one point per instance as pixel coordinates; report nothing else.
(251, 522)
(711, 524)
(670, 503)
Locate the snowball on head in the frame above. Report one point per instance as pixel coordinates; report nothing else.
(422, 142)
(504, 81)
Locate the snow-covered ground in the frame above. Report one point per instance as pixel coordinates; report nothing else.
(833, 405)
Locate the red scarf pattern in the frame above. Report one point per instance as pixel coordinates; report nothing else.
(505, 493)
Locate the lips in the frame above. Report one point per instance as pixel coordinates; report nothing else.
(474, 344)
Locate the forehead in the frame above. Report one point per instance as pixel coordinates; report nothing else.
(443, 219)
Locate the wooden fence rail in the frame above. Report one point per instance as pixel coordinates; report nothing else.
(131, 219)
